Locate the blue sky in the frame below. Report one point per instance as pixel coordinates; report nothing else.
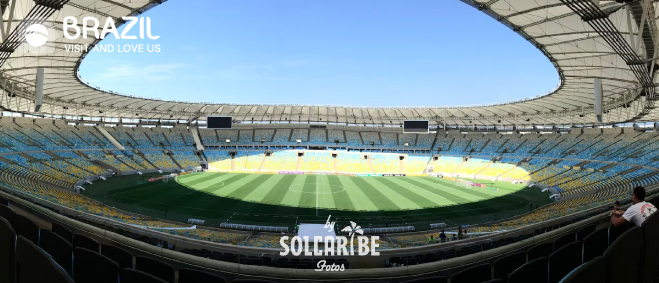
(339, 52)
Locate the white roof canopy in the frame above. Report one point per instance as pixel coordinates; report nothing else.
(578, 52)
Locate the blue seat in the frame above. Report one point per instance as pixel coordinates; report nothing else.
(59, 249)
(563, 261)
(623, 257)
(532, 271)
(7, 249)
(592, 271)
(505, 265)
(474, 274)
(92, 267)
(650, 230)
(193, 276)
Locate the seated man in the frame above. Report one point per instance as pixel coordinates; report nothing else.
(442, 236)
(636, 213)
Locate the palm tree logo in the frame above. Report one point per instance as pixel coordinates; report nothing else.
(352, 230)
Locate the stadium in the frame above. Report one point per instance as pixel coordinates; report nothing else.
(99, 186)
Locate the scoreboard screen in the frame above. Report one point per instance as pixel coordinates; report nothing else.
(416, 126)
(218, 122)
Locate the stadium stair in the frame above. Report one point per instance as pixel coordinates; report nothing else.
(265, 159)
(519, 146)
(299, 163)
(171, 156)
(458, 167)
(336, 170)
(109, 137)
(141, 154)
(643, 177)
(484, 168)
(607, 167)
(104, 165)
(169, 144)
(622, 173)
(502, 146)
(195, 135)
(368, 161)
(506, 172)
(549, 149)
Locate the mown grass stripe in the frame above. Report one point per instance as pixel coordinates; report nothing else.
(198, 175)
(357, 196)
(218, 181)
(203, 178)
(439, 190)
(474, 192)
(423, 198)
(246, 189)
(341, 199)
(279, 190)
(308, 198)
(399, 198)
(326, 192)
(260, 192)
(380, 200)
(437, 196)
(230, 185)
(449, 186)
(292, 197)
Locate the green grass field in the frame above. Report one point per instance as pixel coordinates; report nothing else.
(271, 199)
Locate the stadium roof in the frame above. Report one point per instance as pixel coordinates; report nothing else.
(583, 41)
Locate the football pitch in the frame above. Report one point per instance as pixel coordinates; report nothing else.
(282, 200)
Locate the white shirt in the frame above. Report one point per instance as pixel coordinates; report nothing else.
(639, 212)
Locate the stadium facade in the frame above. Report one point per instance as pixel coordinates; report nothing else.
(83, 134)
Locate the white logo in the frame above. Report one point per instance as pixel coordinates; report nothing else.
(333, 246)
(352, 229)
(90, 28)
(36, 35)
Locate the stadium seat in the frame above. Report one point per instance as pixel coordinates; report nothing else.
(585, 231)
(58, 248)
(193, 276)
(532, 271)
(62, 231)
(4, 201)
(155, 267)
(615, 232)
(33, 265)
(7, 213)
(505, 265)
(268, 281)
(498, 280)
(474, 274)
(623, 258)
(650, 230)
(563, 241)
(655, 201)
(542, 250)
(119, 255)
(26, 228)
(136, 276)
(431, 279)
(92, 267)
(595, 244)
(85, 242)
(7, 246)
(592, 271)
(563, 261)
